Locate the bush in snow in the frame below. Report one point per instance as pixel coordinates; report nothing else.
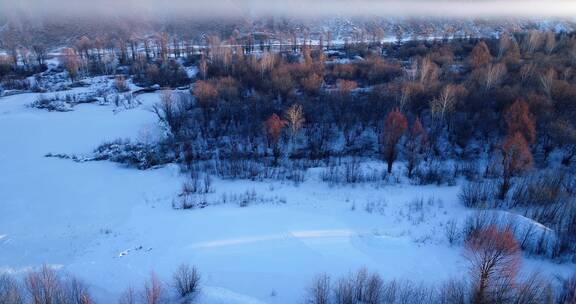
(434, 172)
(452, 232)
(51, 104)
(186, 281)
(478, 194)
(139, 155)
(61, 103)
(546, 195)
(15, 84)
(351, 171)
(532, 237)
(319, 292)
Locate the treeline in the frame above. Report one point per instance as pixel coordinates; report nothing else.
(457, 99)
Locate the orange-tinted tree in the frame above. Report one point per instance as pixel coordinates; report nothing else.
(415, 146)
(394, 127)
(71, 63)
(312, 84)
(519, 119)
(153, 290)
(205, 92)
(345, 87)
(273, 127)
(516, 159)
(282, 82)
(494, 258)
(480, 55)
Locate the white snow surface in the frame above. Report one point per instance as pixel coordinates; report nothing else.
(112, 226)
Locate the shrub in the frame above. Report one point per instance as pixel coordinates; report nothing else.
(434, 172)
(452, 233)
(478, 194)
(186, 281)
(139, 155)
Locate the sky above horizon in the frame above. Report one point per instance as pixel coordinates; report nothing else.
(298, 8)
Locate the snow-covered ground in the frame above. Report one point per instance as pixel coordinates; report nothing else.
(112, 226)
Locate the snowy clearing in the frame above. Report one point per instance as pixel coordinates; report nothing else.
(112, 225)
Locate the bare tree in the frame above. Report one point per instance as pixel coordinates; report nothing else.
(533, 41)
(493, 74)
(40, 51)
(128, 296)
(444, 104)
(43, 286)
(533, 290)
(77, 292)
(295, 118)
(453, 292)
(171, 110)
(547, 81)
(527, 71)
(405, 94)
(9, 41)
(504, 44)
(10, 292)
(319, 292)
(550, 42)
(266, 63)
(84, 45)
(153, 290)
(344, 291)
(203, 67)
(427, 71)
(373, 290)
